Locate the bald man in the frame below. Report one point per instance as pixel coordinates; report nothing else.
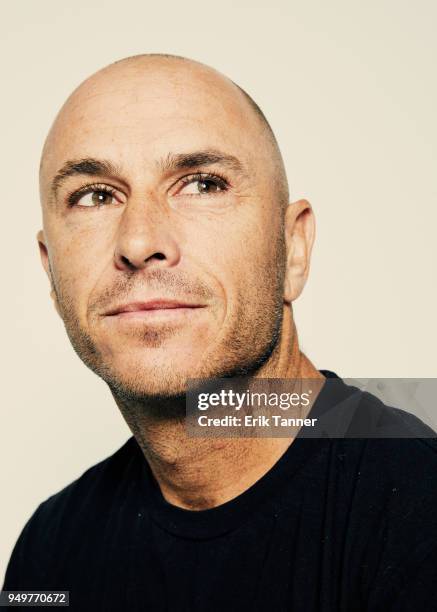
(173, 253)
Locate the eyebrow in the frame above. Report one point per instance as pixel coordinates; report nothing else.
(207, 157)
(80, 167)
(173, 161)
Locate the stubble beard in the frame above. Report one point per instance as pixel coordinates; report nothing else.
(248, 345)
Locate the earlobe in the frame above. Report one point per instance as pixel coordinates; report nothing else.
(288, 295)
(299, 237)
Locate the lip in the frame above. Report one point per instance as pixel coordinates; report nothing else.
(133, 309)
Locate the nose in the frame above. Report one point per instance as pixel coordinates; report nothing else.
(144, 239)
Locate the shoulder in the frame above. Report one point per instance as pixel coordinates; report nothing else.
(395, 503)
(97, 482)
(346, 411)
(78, 505)
(388, 457)
(384, 459)
(384, 442)
(397, 444)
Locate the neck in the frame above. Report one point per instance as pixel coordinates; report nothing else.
(190, 470)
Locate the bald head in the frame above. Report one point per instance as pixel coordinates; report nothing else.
(158, 79)
(161, 180)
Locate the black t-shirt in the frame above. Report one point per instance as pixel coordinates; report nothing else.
(336, 525)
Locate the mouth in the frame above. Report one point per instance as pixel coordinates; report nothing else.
(152, 309)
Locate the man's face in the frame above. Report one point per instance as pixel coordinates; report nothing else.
(164, 236)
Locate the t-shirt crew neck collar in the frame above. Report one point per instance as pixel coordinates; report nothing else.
(205, 524)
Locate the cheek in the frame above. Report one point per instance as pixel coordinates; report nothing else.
(245, 257)
(78, 260)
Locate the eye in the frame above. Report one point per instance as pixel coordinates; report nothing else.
(95, 196)
(202, 185)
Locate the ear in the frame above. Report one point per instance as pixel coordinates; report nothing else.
(46, 265)
(299, 230)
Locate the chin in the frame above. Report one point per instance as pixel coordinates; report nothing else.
(148, 388)
(154, 380)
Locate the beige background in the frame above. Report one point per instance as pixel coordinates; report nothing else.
(350, 90)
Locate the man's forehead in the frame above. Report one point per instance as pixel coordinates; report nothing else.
(158, 91)
(131, 110)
